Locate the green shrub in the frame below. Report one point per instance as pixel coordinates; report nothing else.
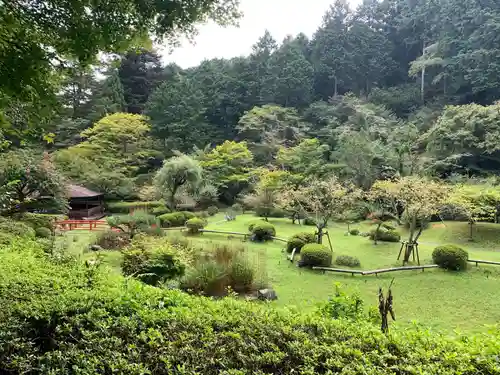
(263, 231)
(56, 320)
(385, 235)
(41, 220)
(188, 215)
(155, 231)
(309, 221)
(6, 238)
(354, 232)
(314, 254)
(270, 212)
(388, 226)
(238, 208)
(43, 232)
(138, 221)
(450, 257)
(213, 210)
(195, 224)
(297, 241)
(222, 267)
(202, 214)
(17, 228)
(175, 219)
(127, 207)
(160, 210)
(112, 240)
(344, 306)
(152, 268)
(348, 261)
(253, 223)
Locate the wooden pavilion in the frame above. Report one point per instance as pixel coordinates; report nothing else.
(85, 204)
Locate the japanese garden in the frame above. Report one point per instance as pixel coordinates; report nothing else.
(326, 204)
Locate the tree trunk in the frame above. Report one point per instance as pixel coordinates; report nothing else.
(348, 228)
(172, 198)
(320, 234)
(471, 223)
(410, 244)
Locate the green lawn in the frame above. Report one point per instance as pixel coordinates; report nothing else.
(435, 299)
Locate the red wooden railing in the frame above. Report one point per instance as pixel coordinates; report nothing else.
(66, 225)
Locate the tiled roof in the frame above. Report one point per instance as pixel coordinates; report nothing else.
(76, 191)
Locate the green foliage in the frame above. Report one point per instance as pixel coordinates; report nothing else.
(160, 210)
(177, 172)
(354, 232)
(343, 306)
(133, 223)
(450, 257)
(237, 208)
(43, 232)
(111, 240)
(213, 210)
(6, 238)
(27, 175)
(16, 228)
(194, 225)
(218, 270)
(175, 219)
(297, 241)
(128, 207)
(111, 309)
(309, 221)
(152, 268)
(262, 231)
(314, 254)
(385, 235)
(41, 220)
(348, 261)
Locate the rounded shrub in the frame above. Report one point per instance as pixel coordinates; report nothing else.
(348, 261)
(314, 254)
(161, 210)
(202, 214)
(253, 223)
(297, 241)
(112, 240)
(43, 232)
(195, 224)
(213, 210)
(263, 231)
(174, 219)
(309, 221)
(354, 232)
(17, 228)
(385, 235)
(238, 208)
(450, 257)
(188, 215)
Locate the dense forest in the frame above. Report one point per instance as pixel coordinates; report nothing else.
(393, 87)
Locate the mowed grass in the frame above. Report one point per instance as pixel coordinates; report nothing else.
(435, 299)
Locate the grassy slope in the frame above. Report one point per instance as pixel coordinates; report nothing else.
(434, 298)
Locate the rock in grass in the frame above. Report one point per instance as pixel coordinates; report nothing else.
(95, 248)
(267, 295)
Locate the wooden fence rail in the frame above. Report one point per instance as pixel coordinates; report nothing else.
(374, 272)
(483, 262)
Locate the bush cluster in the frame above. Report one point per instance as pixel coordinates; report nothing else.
(309, 221)
(213, 210)
(152, 267)
(161, 210)
(270, 212)
(117, 326)
(450, 257)
(354, 232)
(261, 231)
(42, 232)
(297, 241)
(348, 261)
(175, 219)
(111, 240)
(315, 255)
(195, 224)
(41, 220)
(127, 207)
(16, 228)
(385, 235)
(219, 269)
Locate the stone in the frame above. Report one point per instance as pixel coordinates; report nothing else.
(95, 248)
(267, 295)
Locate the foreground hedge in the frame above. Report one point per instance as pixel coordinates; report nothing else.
(62, 319)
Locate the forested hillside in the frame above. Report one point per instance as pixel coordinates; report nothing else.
(391, 87)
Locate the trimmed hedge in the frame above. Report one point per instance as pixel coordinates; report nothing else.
(213, 210)
(16, 228)
(43, 232)
(309, 221)
(314, 254)
(354, 232)
(107, 325)
(450, 257)
(161, 210)
(385, 235)
(175, 219)
(195, 224)
(297, 241)
(348, 261)
(41, 220)
(126, 207)
(262, 231)
(270, 212)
